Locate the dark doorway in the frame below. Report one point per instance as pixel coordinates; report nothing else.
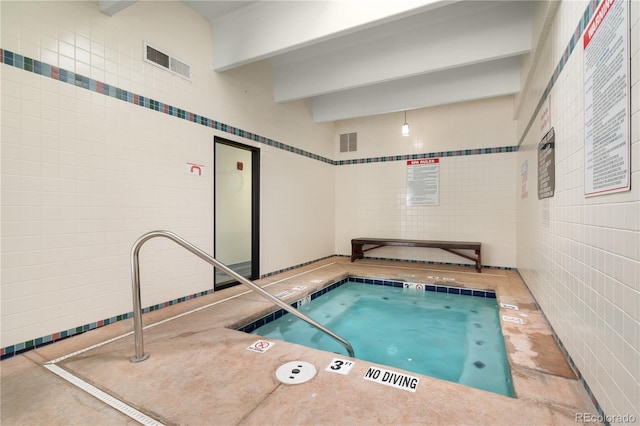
(236, 210)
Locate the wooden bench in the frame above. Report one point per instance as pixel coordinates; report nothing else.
(357, 244)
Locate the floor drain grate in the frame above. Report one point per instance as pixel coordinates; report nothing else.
(103, 396)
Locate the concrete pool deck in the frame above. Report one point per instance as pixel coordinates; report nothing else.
(200, 371)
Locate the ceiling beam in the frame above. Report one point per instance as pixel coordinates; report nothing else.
(266, 28)
(111, 7)
(479, 81)
(446, 38)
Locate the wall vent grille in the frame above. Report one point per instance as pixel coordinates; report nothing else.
(348, 142)
(166, 61)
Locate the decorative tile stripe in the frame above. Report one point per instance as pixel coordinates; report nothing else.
(19, 348)
(575, 368)
(487, 294)
(430, 262)
(457, 153)
(389, 259)
(266, 319)
(280, 312)
(575, 38)
(573, 42)
(300, 265)
(69, 77)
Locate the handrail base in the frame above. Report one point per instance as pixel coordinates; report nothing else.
(139, 359)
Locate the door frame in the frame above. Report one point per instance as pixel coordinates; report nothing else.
(255, 207)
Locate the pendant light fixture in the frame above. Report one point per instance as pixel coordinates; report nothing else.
(405, 126)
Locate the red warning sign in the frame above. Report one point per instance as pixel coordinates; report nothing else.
(261, 346)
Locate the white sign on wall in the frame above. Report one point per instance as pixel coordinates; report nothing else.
(423, 182)
(547, 165)
(607, 71)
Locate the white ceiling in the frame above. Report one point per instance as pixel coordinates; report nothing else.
(358, 58)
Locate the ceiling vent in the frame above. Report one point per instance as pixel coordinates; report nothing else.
(348, 142)
(166, 61)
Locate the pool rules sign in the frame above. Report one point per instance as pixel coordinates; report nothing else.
(423, 182)
(547, 165)
(607, 86)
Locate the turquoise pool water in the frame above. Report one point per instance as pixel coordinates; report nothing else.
(449, 336)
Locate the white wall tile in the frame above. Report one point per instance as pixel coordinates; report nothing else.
(371, 202)
(609, 235)
(488, 124)
(84, 174)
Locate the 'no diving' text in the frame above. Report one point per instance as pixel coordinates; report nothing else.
(393, 379)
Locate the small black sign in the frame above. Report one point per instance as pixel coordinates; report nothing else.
(547, 165)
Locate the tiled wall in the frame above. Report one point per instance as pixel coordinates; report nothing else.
(581, 256)
(297, 214)
(477, 189)
(94, 150)
(480, 124)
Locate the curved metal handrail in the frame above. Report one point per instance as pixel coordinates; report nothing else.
(140, 355)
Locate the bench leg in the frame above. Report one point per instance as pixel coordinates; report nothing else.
(356, 252)
(478, 261)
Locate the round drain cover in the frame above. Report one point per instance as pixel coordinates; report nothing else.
(295, 372)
